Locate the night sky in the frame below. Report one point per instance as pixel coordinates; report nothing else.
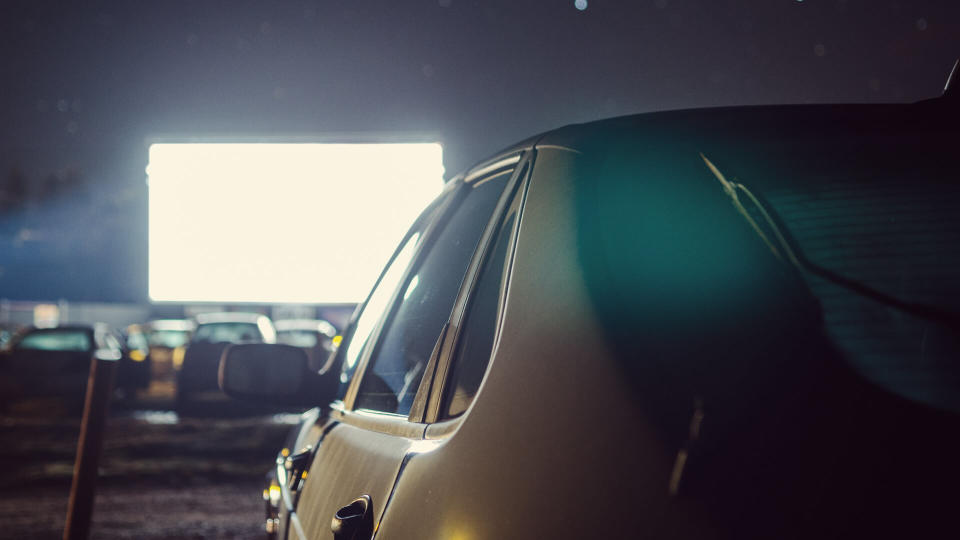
(87, 84)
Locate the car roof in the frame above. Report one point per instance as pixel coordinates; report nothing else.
(228, 317)
(61, 327)
(752, 122)
(320, 325)
(171, 324)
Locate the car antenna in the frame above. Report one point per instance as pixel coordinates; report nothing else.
(950, 89)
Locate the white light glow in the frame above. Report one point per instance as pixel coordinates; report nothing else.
(272, 223)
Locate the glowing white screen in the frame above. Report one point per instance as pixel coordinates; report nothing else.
(303, 223)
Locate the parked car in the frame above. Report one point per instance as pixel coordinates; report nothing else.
(6, 332)
(196, 379)
(55, 363)
(735, 323)
(315, 336)
(136, 351)
(166, 341)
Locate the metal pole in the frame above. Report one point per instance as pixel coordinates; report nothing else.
(99, 390)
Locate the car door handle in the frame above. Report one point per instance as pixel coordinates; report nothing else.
(354, 521)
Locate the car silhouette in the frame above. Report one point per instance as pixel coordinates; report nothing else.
(736, 323)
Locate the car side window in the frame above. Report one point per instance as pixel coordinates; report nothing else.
(409, 336)
(379, 299)
(479, 326)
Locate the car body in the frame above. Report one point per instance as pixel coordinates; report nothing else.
(167, 340)
(6, 332)
(136, 350)
(54, 362)
(196, 379)
(733, 323)
(315, 336)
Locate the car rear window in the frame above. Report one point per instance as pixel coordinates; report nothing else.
(683, 281)
(56, 340)
(169, 338)
(881, 226)
(228, 332)
(298, 338)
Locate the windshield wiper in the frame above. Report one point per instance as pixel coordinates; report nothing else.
(785, 247)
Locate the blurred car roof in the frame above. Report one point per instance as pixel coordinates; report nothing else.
(230, 317)
(318, 325)
(171, 324)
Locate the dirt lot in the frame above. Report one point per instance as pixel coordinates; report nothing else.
(160, 477)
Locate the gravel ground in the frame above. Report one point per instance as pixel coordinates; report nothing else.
(226, 509)
(160, 476)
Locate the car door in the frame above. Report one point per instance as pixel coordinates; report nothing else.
(417, 510)
(394, 347)
(300, 450)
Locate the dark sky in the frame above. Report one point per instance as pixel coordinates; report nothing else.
(86, 84)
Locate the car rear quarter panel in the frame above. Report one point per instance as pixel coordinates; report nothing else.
(554, 445)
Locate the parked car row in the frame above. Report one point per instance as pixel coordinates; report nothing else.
(719, 323)
(55, 361)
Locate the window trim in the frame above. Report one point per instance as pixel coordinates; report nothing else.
(448, 194)
(430, 234)
(514, 193)
(415, 424)
(387, 423)
(492, 166)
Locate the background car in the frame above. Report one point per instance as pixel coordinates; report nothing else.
(167, 340)
(196, 380)
(136, 351)
(315, 336)
(6, 332)
(55, 363)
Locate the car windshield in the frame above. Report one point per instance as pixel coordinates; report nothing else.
(168, 338)
(56, 340)
(298, 338)
(136, 340)
(227, 332)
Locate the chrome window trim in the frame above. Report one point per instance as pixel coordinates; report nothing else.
(412, 425)
(391, 424)
(515, 191)
(429, 232)
(442, 429)
(493, 165)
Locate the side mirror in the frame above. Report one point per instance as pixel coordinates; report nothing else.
(272, 374)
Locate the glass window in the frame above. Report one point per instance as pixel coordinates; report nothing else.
(136, 340)
(380, 297)
(479, 327)
(57, 340)
(298, 338)
(169, 338)
(391, 382)
(228, 332)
